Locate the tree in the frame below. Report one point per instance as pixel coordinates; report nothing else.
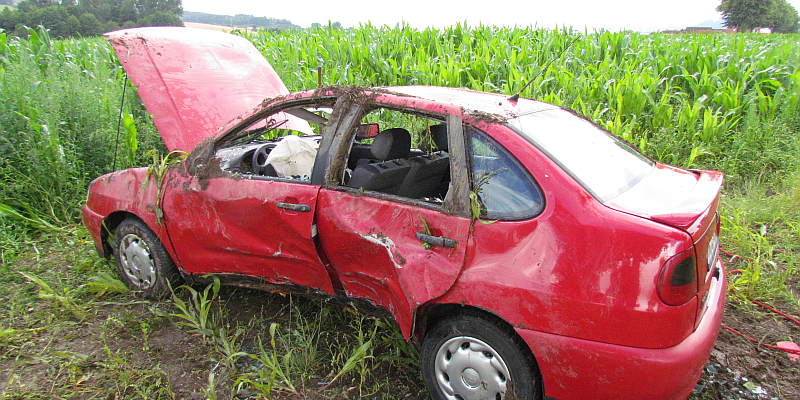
(784, 18)
(90, 26)
(110, 26)
(150, 7)
(9, 19)
(160, 18)
(53, 18)
(745, 15)
(72, 26)
(126, 12)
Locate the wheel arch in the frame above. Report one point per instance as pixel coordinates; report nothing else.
(110, 224)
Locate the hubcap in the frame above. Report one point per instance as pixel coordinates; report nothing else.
(137, 263)
(469, 369)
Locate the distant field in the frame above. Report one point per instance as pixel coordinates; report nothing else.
(207, 26)
(220, 28)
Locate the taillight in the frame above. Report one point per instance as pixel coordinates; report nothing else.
(677, 283)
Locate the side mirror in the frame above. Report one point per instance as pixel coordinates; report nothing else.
(367, 131)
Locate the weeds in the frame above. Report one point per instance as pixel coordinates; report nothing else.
(760, 230)
(158, 169)
(63, 299)
(359, 354)
(103, 283)
(196, 314)
(272, 371)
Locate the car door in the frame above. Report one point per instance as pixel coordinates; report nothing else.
(393, 252)
(253, 226)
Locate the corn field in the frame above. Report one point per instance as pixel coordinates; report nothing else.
(687, 93)
(729, 102)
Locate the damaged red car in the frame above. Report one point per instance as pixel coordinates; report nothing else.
(527, 252)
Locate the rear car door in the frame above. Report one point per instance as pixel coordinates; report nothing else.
(395, 252)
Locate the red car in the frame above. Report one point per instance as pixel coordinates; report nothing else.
(523, 248)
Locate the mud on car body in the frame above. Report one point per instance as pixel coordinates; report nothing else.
(521, 247)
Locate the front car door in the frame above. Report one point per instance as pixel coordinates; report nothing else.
(228, 217)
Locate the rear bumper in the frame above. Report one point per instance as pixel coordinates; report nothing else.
(583, 369)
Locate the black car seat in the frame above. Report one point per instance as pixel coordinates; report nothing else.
(428, 172)
(390, 147)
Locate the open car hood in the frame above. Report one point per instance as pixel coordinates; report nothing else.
(193, 81)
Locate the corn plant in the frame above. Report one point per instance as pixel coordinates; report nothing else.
(272, 371)
(196, 314)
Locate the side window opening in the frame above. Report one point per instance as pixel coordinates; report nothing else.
(504, 188)
(408, 157)
(281, 145)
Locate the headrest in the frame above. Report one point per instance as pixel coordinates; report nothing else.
(391, 143)
(437, 139)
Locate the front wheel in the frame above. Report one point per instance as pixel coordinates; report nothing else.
(142, 260)
(468, 357)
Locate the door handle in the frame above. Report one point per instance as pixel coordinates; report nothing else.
(437, 240)
(293, 207)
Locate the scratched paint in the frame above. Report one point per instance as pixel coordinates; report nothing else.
(385, 242)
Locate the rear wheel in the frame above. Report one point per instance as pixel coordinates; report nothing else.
(142, 261)
(468, 357)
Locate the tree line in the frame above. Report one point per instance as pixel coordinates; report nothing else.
(241, 20)
(746, 15)
(66, 18)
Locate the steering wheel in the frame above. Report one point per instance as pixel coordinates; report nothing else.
(259, 162)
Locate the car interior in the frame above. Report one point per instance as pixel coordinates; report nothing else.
(393, 153)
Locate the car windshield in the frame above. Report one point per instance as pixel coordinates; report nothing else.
(602, 163)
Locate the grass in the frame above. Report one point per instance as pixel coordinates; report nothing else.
(70, 329)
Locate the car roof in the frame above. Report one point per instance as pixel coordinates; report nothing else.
(472, 100)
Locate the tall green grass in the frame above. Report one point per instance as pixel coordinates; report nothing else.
(60, 102)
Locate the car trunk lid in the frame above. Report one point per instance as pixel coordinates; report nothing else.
(673, 196)
(193, 81)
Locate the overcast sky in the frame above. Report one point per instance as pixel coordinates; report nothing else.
(637, 15)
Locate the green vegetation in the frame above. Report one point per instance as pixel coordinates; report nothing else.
(746, 15)
(68, 18)
(726, 102)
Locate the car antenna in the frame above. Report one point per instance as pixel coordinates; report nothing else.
(119, 122)
(515, 97)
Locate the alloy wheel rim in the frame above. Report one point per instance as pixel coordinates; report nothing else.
(469, 369)
(137, 262)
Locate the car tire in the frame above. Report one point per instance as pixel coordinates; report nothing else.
(142, 261)
(469, 357)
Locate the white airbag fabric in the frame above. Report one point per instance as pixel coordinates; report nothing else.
(293, 157)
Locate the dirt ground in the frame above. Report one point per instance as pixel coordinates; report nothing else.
(133, 349)
(741, 369)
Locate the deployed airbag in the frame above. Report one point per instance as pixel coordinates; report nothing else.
(293, 157)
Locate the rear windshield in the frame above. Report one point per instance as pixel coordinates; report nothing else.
(605, 165)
